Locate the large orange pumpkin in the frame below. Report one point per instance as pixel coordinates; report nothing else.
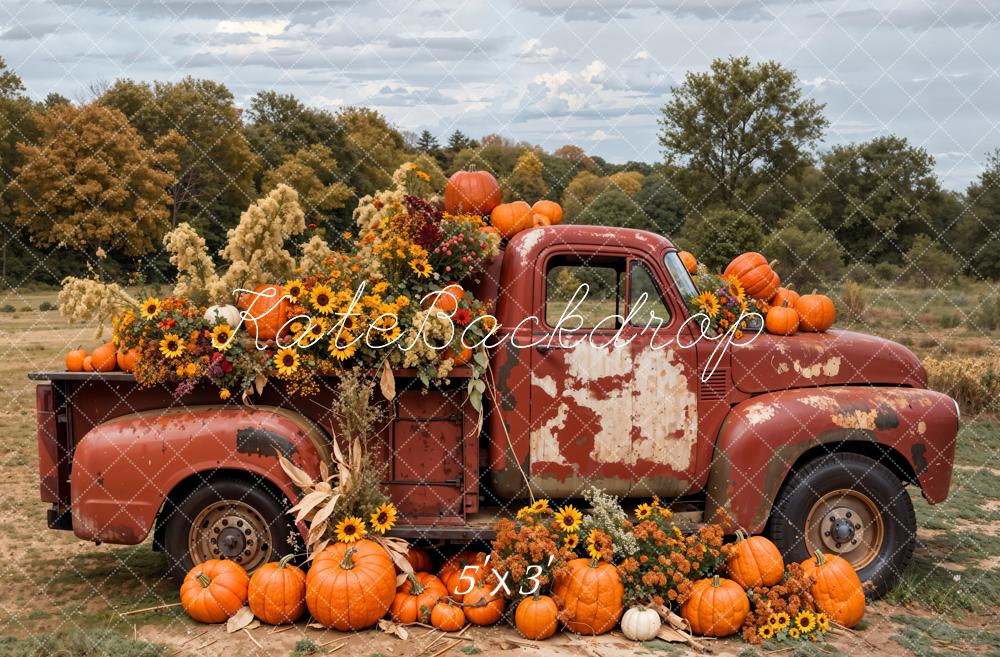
(550, 210)
(447, 617)
(482, 606)
(268, 307)
(837, 590)
(472, 192)
(277, 592)
(816, 312)
(214, 590)
(782, 295)
(104, 358)
(74, 360)
(754, 273)
(717, 607)
(350, 585)
(755, 561)
(591, 592)
(511, 218)
(782, 320)
(419, 558)
(537, 617)
(453, 569)
(689, 261)
(127, 359)
(416, 597)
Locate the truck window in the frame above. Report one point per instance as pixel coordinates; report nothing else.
(654, 311)
(605, 282)
(679, 273)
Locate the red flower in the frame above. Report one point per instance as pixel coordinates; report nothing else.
(462, 317)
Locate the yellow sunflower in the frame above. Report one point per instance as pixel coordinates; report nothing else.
(171, 346)
(402, 301)
(708, 303)
(322, 299)
(597, 543)
(351, 529)
(805, 621)
(823, 622)
(421, 267)
(779, 620)
(523, 512)
(384, 518)
(794, 633)
(287, 361)
(222, 337)
(150, 308)
(541, 506)
(568, 518)
(380, 287)
(643, 511)
(765, 632)
(571, 541)
(293, 288)
(343, 346)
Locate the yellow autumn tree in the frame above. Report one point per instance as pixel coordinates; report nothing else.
(312, 172)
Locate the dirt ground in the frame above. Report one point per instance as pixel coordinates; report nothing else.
(55, 585)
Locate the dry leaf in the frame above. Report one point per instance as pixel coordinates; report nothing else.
(670, 635)
(239, 620)
(387, 382)
(308, 503)
(296, 474)
(390, 627)
(317, 626)
(258, 383)
(327, 510)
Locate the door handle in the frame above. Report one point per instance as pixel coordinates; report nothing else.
(546, 348)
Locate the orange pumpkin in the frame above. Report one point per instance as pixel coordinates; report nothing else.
(460, 358)
(336, 577)
(277, 592)
(74, 360)
(782, 320)
(214, 590)
(716, 607)
(591, 592)
(837, 590)
(268, 307)
(754, 273)
(511, 218)
(453, 569)
(472, 192)
(690, 262)
(419, 558)
(816, 312)
(88, 364)
(416, 597)
(550, 210)
(540, 221)
(482, 606)
(127, 359)
(755, 561)
(447, 617)
(449, 298)
(782, 295)
(537, 617)
(104, 358)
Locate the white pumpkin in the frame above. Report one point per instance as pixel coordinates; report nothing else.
(223, 314)
(640, 624)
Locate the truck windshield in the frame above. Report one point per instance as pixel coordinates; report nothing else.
(678, 272)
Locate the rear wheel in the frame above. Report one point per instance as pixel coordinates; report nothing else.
(228, 519)
(852, 506)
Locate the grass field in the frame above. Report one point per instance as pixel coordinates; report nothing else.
(64, 596)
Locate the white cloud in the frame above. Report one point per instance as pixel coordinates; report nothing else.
(533, 52)
(263, 28)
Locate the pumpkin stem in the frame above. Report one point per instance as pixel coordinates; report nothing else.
(204, 580)
(716, 582)
(348, 562)
(820, 559)
(741, 535)
(285, 559)
(594, 561)
(416, 588)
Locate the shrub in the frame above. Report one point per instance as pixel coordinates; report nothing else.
(887, 272)
(47, 305)
(7, 308)
(808, 255)
(987, 316)
(854, 299)
(973, 382)
(718, 236)
(929, 264)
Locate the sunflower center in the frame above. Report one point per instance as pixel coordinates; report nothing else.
(288, 361)
(223, 336)
(171, 345)
(349, 530)
(322, 300)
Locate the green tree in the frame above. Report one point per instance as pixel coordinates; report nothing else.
(427, 143)
(662, 206)
(878, 195)
(738, 129)
(458, 141)
(279, 125)
(612, 207)
(719, 235)
(494, 153)
(808, 256)
(928, 264)
(312, 172)
(977, 233)
(526, 182)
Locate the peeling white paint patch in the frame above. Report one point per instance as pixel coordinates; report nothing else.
(546, 383)
(612, 442)
(821, 403)
(759, 413)
(856, 419)
(665, 410)
(528, 243)
(921, 427)
(544, 444)
(830, 368)
(782, 368)
(586, 362)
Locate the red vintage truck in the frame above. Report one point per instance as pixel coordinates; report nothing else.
(811, 439)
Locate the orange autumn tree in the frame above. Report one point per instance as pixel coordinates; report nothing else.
(90, 182)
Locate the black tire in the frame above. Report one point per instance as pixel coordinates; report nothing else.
(864, 478)
(267, 527)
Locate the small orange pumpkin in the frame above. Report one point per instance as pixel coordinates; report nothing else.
(690, 262)
(482, 607)
(460, 358)
(419, 558)
(716, 607)
(473, 192)
(277, 592)
(447, 617)
(511, 218)
(453, 569)
(755, 274)
(550, 210)
(782, 295)
(816, 312)
(451, 295)
(537, 617)
(127, 359)
(268, 306)
(416, 597)
(74, 360)
(540, 221)
(214, 590)
(591, 592)
(755, 561)
(104, 358)
(837, 590)
(88, 364)
(336, 576)
(782, 320)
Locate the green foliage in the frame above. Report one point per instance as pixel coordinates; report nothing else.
(279, 125)
(470, 649)
(312, 172)
(928, 264)
(662, 206)
(581, 192)
(526, 181)
(79, 643)
(808, 255)
(494, 153)
(977, 233)
(718, 236)
(987, 316)
(46, 306)
(612, 208)
(306, 647)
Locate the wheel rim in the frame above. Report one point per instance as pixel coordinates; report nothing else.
(846, 523)
(230, 529)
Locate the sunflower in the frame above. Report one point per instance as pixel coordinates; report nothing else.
(805, 621)
(540, 506)
(523, 512)
(779, 620)
(568, 518)
(421, 267)
(794, 633)
(708, 303)
(322, 299)
(312, 333)
(384, 518)
(287, 361)
(823, 622)
(598, 544)
(171, 346)
(343, 346)
(222, 337)
(293, 288)
(765, 632)
(351, 529)
(643, 511)
(380, 287)
(571, 541)
(150, 308)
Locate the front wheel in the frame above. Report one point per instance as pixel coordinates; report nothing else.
(852, 506)
(228, 519)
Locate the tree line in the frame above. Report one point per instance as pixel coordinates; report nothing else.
(98, 183)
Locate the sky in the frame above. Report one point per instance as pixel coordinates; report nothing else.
(549, 72)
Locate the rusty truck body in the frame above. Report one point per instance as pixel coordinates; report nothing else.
(811, 438)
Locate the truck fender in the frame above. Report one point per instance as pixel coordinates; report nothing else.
(124, 469)
(763, 437)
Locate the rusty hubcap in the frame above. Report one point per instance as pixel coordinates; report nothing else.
(233, 530)
(846, 523)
